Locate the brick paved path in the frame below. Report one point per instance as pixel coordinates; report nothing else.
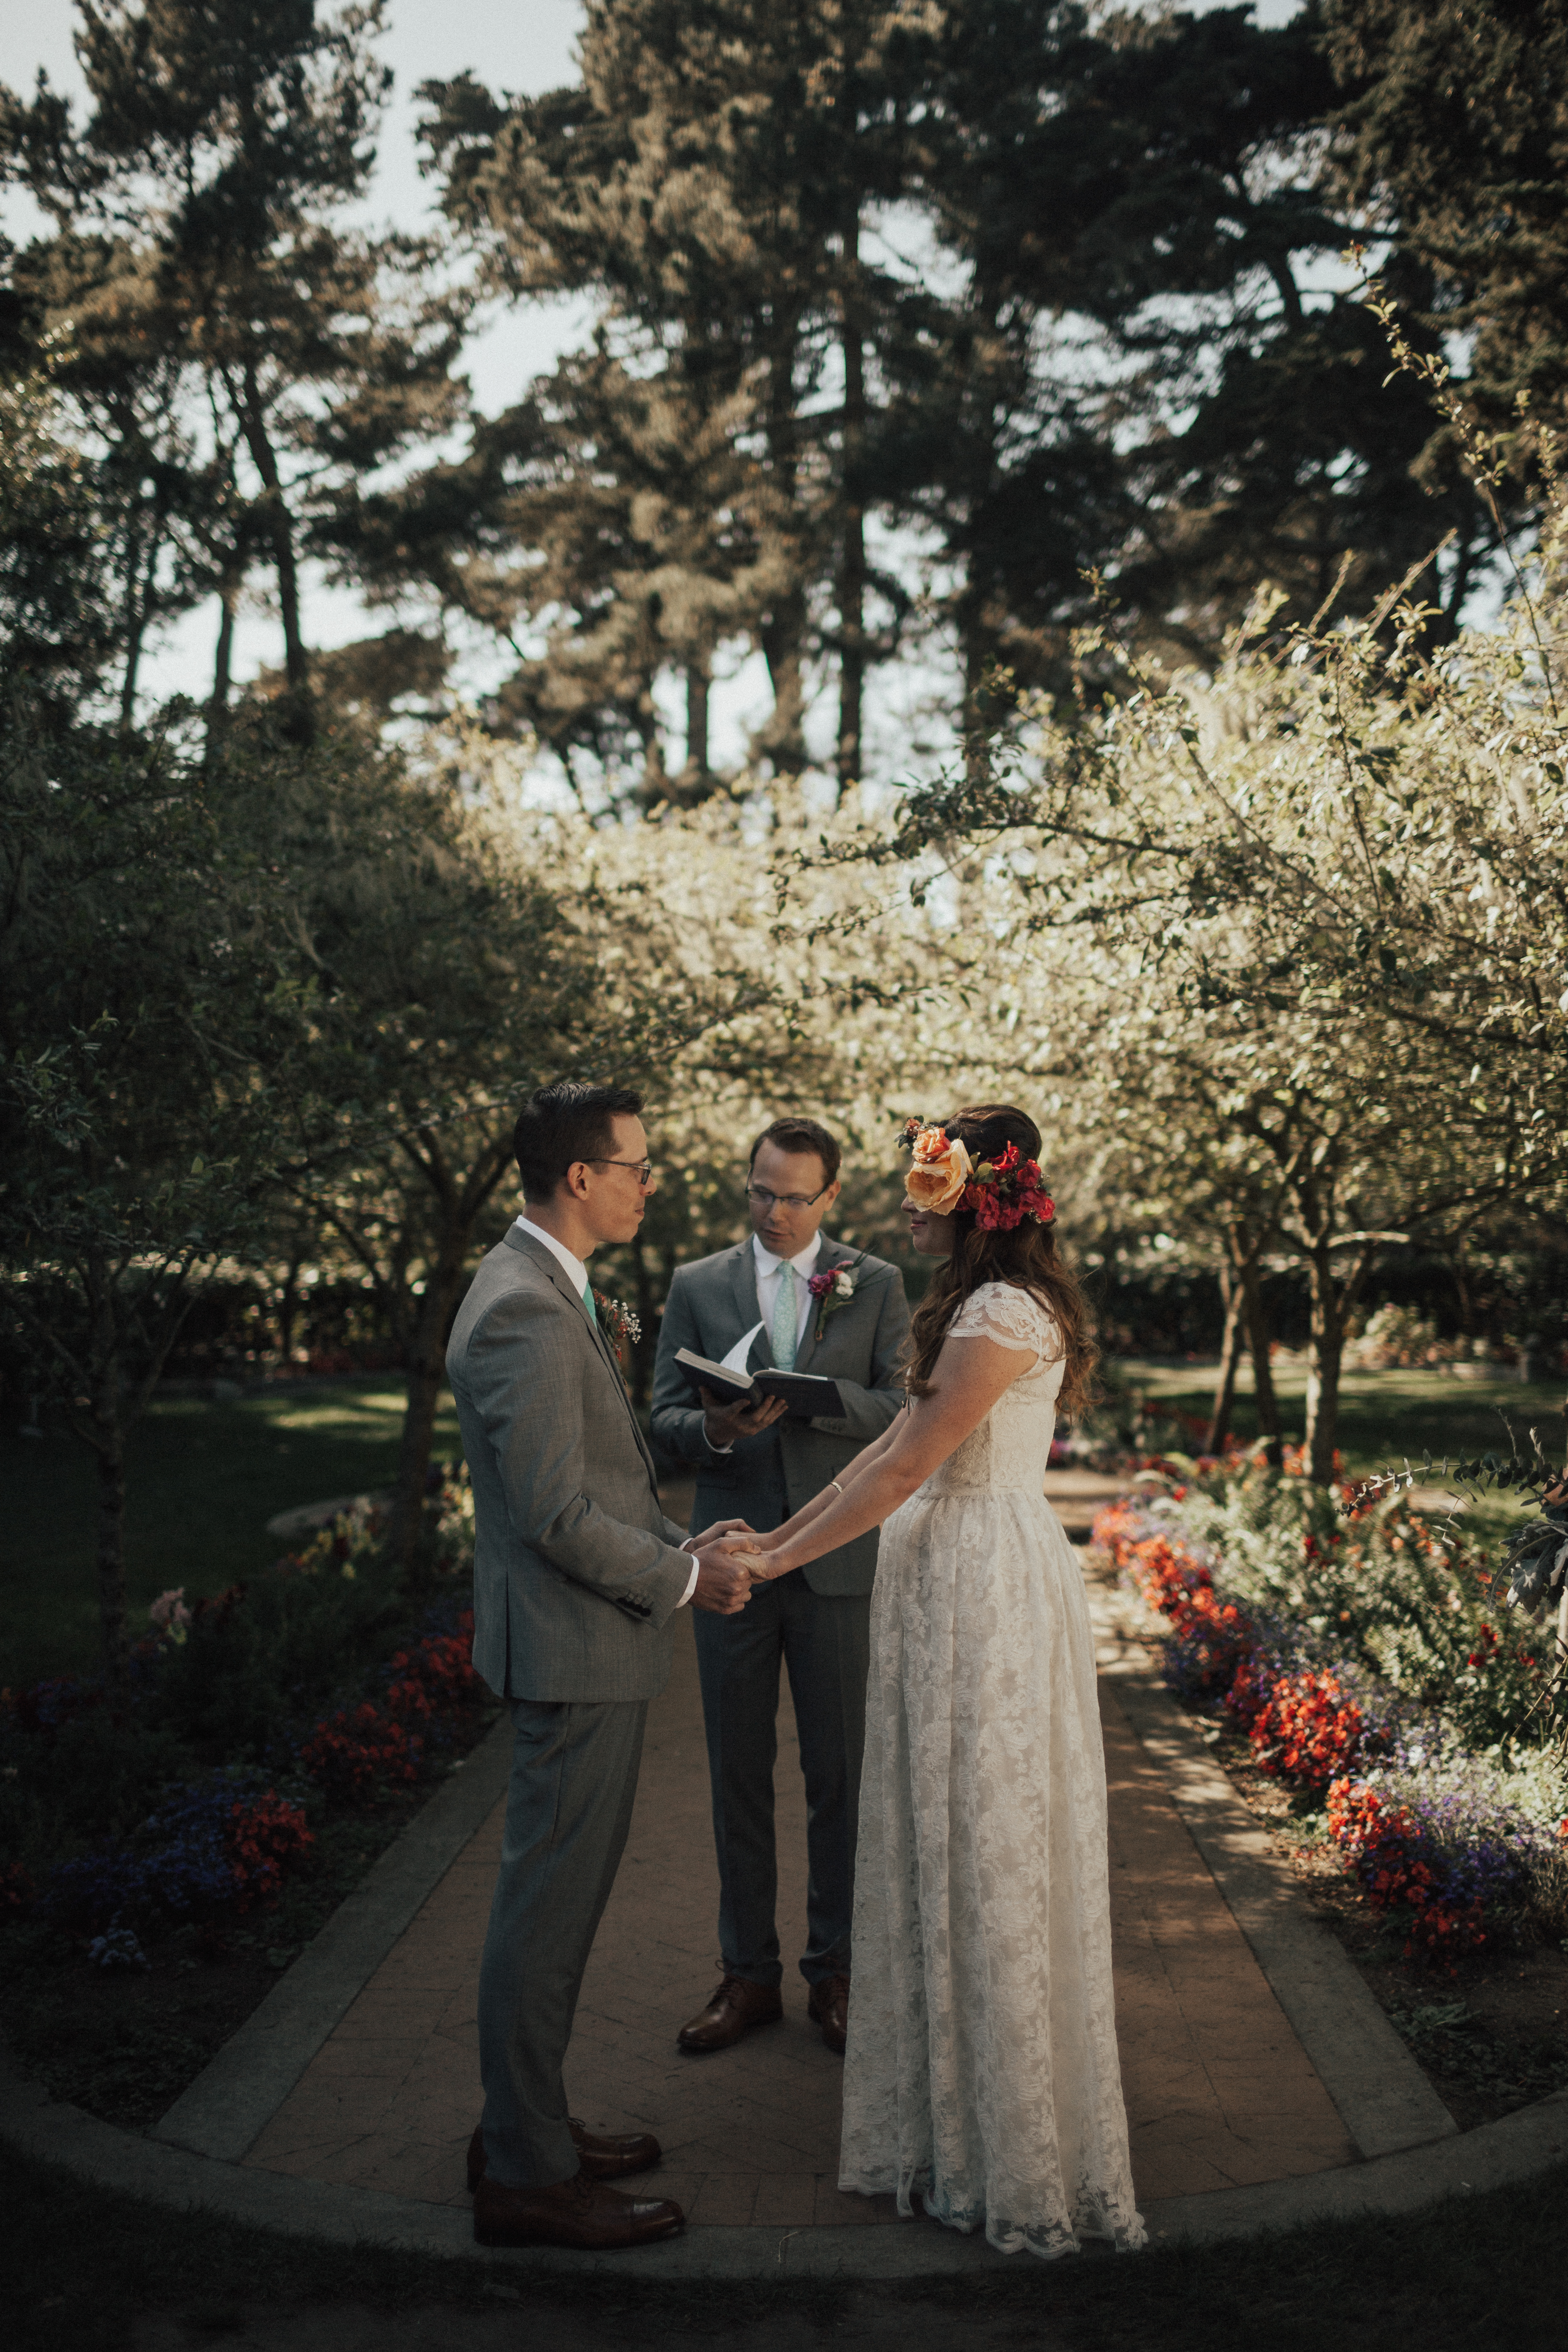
(1219, 2092)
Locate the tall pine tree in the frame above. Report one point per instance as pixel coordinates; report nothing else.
(224, 143)
(710, 178)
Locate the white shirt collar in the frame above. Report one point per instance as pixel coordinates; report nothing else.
(768, 1263)
(558, 1250)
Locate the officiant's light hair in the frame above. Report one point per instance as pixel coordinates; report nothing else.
(791, 1134)
(564, 1123)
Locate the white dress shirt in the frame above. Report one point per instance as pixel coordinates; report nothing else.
(768, 1271)
(578, 1272)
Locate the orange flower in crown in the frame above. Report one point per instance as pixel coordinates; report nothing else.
(1002, 1193)
(942, 1168)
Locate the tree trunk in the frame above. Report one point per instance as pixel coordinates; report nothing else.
(222, 660)
(852, 562)
(288, 1306)
(427, 1366)
(1230, 1358)
(109, 1444)
(783, 738)
(976, 749)
(1465, 1296)
(135, 628)
(1260, 1341)
(279, 524)
(698, 683)
(782, 633)
(1333, 1303)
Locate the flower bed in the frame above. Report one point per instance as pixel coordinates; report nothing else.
(1329, 1640)
(274, 1739)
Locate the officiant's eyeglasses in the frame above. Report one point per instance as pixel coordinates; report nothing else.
(644, 1170)
(762, 1199)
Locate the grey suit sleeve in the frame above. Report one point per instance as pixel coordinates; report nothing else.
(524, 1378)
(675, 1420)
(868, 1410)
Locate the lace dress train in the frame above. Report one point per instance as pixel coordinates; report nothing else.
(981, 2067)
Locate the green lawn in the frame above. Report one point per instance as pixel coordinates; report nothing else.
(203, 1481)
(1384, 1416)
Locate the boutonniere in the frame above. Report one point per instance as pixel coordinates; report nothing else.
(616, 1320)
(832, 1288)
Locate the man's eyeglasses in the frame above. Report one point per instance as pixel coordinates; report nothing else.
(761, 1198)
(644, 1170)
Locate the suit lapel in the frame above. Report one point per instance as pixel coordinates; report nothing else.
(613, 1363)
(744, 1289)
(829, 1255)
(551, 1266)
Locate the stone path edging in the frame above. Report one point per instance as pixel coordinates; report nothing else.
(226, 2106)
(1491, 2157)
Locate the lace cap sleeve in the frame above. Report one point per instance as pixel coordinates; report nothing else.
(1009, 1317)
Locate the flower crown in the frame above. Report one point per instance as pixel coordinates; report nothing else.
(1002, 1191)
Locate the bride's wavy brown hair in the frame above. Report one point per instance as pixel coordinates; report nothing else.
(1026, 1256)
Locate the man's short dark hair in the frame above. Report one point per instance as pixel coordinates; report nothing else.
(801, 1135)
(566, 1123)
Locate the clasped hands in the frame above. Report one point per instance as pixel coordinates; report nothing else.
(731, 1558)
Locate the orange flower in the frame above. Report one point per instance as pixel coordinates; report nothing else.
(942, 1168)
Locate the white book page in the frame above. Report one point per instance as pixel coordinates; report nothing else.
(735, 1361)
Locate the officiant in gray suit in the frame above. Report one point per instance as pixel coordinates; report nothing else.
(757, 1464)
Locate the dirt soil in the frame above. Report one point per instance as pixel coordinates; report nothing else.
(1490, 2030)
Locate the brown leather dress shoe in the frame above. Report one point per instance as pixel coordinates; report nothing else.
(601, 2158)
(734, 2010)
(577, 2212)
(830, 2007)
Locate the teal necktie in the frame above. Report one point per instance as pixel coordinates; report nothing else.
(589, 1308)
(785, 1319)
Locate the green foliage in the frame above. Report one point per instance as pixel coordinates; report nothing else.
(99, 1776)
(289, 1644)
(57, 630)
(140, 1135)
(1453, 123)
(237, 355)
(1414, 1602)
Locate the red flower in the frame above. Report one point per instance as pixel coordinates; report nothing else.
(358, 1749)
(261, 1837)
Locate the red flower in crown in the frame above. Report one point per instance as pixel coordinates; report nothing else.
(1001, 1193)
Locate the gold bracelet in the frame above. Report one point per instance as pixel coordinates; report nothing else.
(836, 1486)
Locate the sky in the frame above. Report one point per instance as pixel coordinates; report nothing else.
(524, 46)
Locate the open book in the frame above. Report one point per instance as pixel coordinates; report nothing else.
(805, 1394)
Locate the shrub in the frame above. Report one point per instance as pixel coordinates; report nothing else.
(436, 1678)
(107, 1801)
(1444, 1842)
(17, 1891)
(1304, 1726)
(289, 1642)
(1456, 1842)
(1379, 1587)
(209, 1846)
(358, 1749)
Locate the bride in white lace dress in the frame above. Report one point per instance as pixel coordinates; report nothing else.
(982, 2070)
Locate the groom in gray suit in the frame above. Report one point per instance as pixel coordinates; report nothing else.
(757, 1464)
(578, 1575)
